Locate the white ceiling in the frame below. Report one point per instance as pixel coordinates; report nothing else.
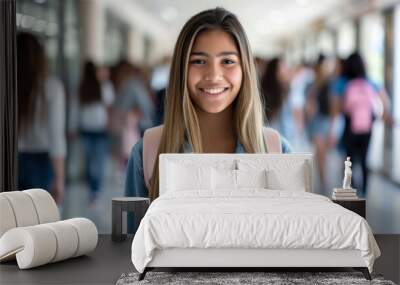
(263, 17)
(267, 22)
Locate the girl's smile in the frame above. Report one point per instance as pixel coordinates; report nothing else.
(213, 91)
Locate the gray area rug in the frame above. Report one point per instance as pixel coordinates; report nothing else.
(273, 278)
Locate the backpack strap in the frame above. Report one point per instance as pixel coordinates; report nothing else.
(272, 140)
(151, 142)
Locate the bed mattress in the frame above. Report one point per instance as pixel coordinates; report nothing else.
(250, 219)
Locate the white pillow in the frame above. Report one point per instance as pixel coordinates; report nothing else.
(292, 179)
(281, 174)
(251, 179)
(236, 179)
(224, 179)
(181, 177)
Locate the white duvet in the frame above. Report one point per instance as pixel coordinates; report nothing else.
(251, 218)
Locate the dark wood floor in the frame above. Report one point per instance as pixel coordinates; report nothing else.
(389, 262)
(103, 266)
(110, 260)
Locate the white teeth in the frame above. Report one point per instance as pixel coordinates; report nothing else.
(214, 90)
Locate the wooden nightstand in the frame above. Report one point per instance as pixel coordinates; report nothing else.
(357, 205)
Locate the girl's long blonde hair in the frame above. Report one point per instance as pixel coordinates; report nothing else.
(181, 121)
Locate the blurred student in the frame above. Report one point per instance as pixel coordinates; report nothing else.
(274, 84)
(133, 109)
(317, 111)
(95, 97)
(133, 93)
(159, 83)
(41, 120)
(356, 97)
(337, 119)
(302, 78)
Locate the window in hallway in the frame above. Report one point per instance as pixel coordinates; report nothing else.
(372, 45)
(372, 50)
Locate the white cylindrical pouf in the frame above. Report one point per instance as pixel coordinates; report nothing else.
(40, 244)
(23, 207)
(34, 246)
(7, 218)
(67, 239)
(45, 205)
(87, 234)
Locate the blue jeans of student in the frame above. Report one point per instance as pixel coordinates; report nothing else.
(34, 170)
(96, 147)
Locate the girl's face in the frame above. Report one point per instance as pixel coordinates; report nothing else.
(215, 71)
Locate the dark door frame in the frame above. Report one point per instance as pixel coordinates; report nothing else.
(8, 96)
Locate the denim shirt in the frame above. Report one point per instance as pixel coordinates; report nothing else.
(134, 181)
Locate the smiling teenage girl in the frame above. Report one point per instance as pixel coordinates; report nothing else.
(213, 102)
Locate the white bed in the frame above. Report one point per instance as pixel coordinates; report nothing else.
(225, 210)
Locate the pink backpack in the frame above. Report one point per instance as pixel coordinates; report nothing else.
(359, 105)
(152, 139)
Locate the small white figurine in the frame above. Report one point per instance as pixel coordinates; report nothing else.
(347, 174)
